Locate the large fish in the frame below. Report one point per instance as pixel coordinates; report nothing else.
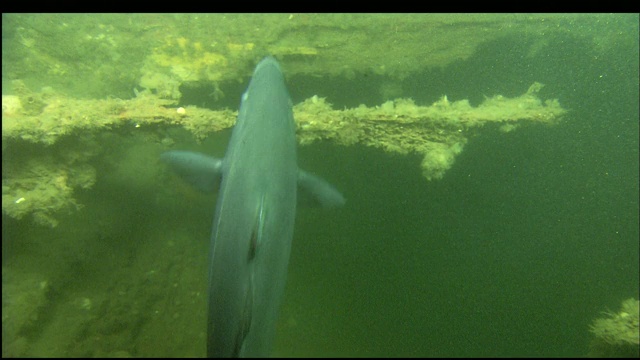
(254, 218)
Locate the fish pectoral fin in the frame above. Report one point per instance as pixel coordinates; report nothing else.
(201, 171)
(315, 191)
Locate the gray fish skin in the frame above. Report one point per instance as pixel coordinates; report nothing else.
(253, 225)
(255, 214)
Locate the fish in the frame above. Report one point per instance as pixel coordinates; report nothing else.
(258, 181)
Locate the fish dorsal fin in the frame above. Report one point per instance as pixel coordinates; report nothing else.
(258, 230)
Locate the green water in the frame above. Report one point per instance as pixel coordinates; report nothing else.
(526, 239)
(513, 253)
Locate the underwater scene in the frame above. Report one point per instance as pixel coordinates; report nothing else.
(489, 165)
